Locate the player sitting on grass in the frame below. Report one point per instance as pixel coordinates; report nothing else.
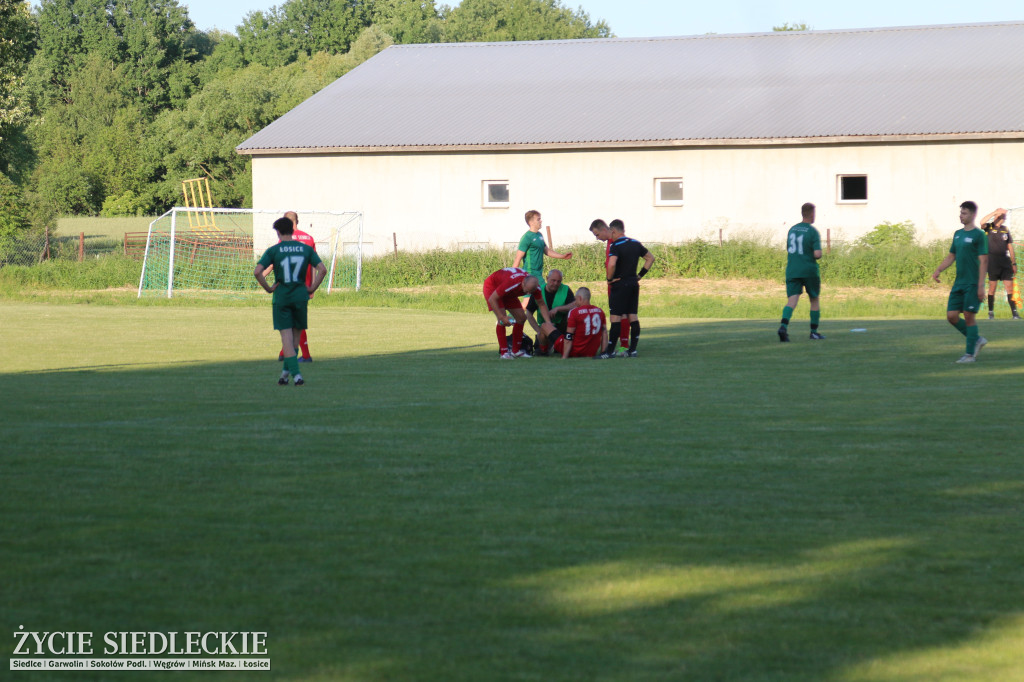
(291, 295)
(502, 290)
(585, 332)
(803, 244)
(970, 252)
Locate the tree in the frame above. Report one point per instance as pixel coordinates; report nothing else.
(792, 27)
(200, 139)
(501, 20)
(408, 21)
(148, 37)
(17, 39)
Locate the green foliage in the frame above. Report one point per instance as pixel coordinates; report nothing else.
(17, 39)
(13, 221)
(127, 204)
(496, 20)
(893, 267)
(122, 99)
(889, 234)
(792, 27)
(64, 273)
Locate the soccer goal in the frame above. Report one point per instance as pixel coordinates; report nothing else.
(192, 251)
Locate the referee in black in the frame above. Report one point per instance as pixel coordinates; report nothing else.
(1002, 262)
(624, 287)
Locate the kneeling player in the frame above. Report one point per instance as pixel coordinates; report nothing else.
(502, 290)
(585, 331)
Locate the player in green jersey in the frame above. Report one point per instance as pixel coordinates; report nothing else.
(803, 243)
(290, 259)
(532, 248)
(969, 251)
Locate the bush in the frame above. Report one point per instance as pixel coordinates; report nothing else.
(889, 234)
(127, 204)
(891, 266)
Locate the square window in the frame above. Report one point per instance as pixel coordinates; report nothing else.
(852, 189)
(495, 194)
(668, 191)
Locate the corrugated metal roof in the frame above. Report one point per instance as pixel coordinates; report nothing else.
(912, 81)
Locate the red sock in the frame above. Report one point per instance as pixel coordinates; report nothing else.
(304, 344)
(624, 333)
(517, 337)
(502, 341)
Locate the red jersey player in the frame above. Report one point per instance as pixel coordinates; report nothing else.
(502, 290)
(603, 233)
(303, 238)
(585, 331)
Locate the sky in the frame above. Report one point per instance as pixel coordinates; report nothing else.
(649, 18)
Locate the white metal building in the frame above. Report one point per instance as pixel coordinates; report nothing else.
(680, 137)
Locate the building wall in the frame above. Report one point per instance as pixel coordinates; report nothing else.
(431, 200)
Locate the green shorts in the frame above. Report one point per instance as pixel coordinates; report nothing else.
(964, 298)
(290, 315)
(796, 286)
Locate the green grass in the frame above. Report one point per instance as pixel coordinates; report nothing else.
(109, 228)
(725, 507)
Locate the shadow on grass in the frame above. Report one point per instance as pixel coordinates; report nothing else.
(720, 508)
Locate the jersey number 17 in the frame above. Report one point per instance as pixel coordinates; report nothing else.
(291, 267)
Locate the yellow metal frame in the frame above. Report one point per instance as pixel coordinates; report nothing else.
(195, 197)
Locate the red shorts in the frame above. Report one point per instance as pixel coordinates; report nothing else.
(508, 302)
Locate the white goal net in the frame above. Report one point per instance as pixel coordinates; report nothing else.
(213, 250)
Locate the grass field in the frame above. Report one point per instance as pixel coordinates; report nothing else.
(724, 507)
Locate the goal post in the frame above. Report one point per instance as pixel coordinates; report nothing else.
(181, 259)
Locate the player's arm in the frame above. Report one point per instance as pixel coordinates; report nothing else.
(520, 255)
(499, 310)
(604, 336)
(548, 251)
(567, 343)
(991, 217)
(544, 312)
(946, 262)
(648, 262)
(260, 273)
(318, 277)
(609, 267)
(982, 274)
(570, 303)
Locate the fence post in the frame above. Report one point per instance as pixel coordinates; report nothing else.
(81, 246)
(720, 240)
(45, 255)
(394, 236)
(828, 240)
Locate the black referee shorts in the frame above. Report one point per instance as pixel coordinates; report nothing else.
(624, 299)
(1000, 273)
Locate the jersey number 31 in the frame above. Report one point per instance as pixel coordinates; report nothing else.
(796, 244)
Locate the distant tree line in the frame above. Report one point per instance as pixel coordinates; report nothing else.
(106, 105)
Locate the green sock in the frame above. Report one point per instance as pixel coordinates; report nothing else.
(972, 339)
(787, 314)
(962, 326)
(292, 365)
(815, 319)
